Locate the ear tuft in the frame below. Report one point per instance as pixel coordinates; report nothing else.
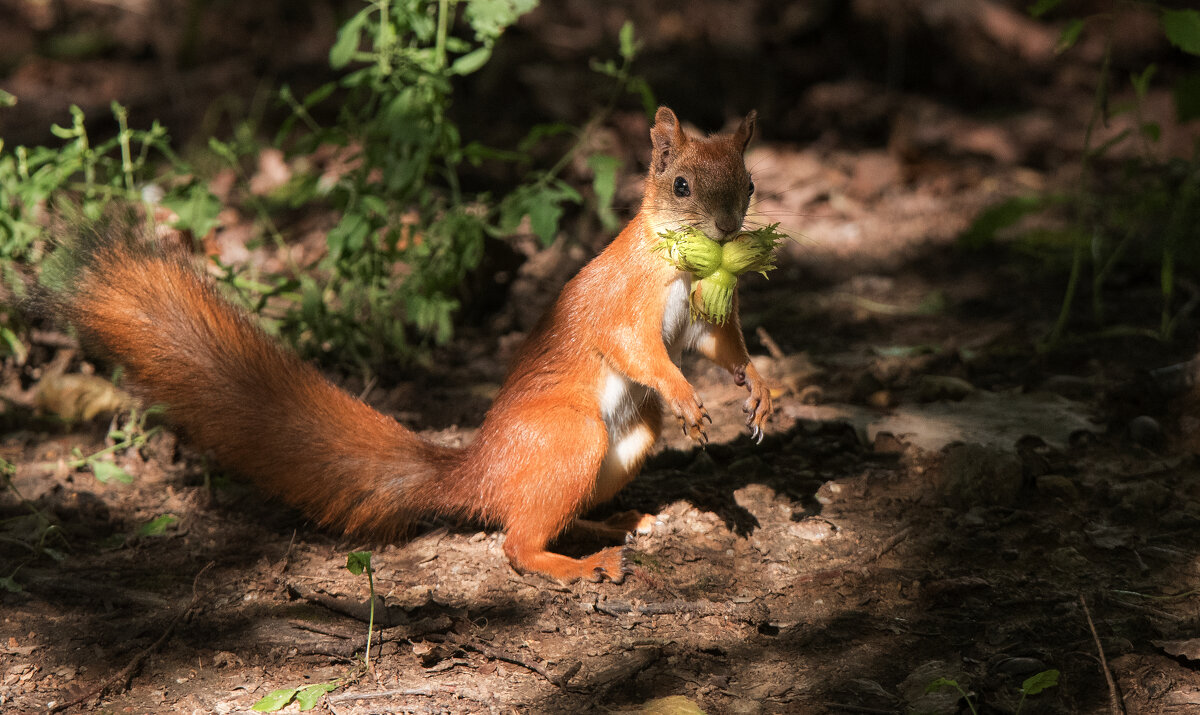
(745, 130)
(667, 138)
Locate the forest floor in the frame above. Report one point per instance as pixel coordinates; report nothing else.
(936, 497)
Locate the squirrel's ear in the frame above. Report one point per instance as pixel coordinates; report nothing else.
(745, 130)
(667, 138)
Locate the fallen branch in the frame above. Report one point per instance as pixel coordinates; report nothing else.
(124, 674)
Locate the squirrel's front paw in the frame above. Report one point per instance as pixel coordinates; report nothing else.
(757, 406)
(692, 415)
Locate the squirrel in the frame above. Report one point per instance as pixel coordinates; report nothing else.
(572, 424)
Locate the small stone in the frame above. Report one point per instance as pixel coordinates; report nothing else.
(887, 443)
(1145, 430)
(812, 529)
(1143, 499)
(1068, 559)
(931, 388)
(972, 475)
(1056, 486)
(881, 399)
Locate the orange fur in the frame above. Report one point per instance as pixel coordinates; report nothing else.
(571, 425)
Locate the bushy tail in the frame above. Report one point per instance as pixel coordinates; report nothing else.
(236, 392)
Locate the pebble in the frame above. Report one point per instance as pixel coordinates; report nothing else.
(1146, 431)
(1056, 486)
(811, 529)
(972, 474)
(931, 388)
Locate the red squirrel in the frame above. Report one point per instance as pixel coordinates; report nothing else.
(572, 424)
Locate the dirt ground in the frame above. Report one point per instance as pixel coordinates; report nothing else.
(936, 497)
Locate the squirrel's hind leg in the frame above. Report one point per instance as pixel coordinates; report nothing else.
(545, 493)
(621, 464)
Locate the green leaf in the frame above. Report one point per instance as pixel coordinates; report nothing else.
(8, 583)
(196, 207)
(604, 183)
(1041, 7)
(12, 344)
(543, 218)
(157, 526)
(629, 45)
(983, 229)
(274, 700)
(348, 39)
(348, 236)
(942, 683)
(358, 561)
(1141, 81)
(471, 61)
(7, 99)
(310, 695)
(1039, 682)
(319, 94)
(489, 18)
(1183, 29)
(108, 471)
(1151, 130)
(1070, 35)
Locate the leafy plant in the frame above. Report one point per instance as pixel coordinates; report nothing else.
(306, 697)
(356, 563)
(92, 174)
(1033, 685)
(1036, 683)
(133, 433)
(1151, 211)
(31, 531)
(942, 683)
(408, 233)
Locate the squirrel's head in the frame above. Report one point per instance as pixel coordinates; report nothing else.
(698, 181)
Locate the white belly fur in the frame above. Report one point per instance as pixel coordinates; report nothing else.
(622, 398)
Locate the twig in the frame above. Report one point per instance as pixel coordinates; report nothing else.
(1114, 700)
(127, 672)
(769, 343)
(624, 671)
(891, 543)
(754, 612)
(559, 680)
(350, 697)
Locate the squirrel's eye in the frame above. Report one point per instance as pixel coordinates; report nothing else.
(681, 187)
(751, 191)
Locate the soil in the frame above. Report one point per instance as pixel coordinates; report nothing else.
(937, 496)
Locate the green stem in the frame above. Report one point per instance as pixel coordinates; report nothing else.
(442, 22)
(1064, 312)
(1102, 275)
(123, 134)
(371, 613)
(386, 37)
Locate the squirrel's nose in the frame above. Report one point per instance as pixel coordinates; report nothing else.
(727, 224)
